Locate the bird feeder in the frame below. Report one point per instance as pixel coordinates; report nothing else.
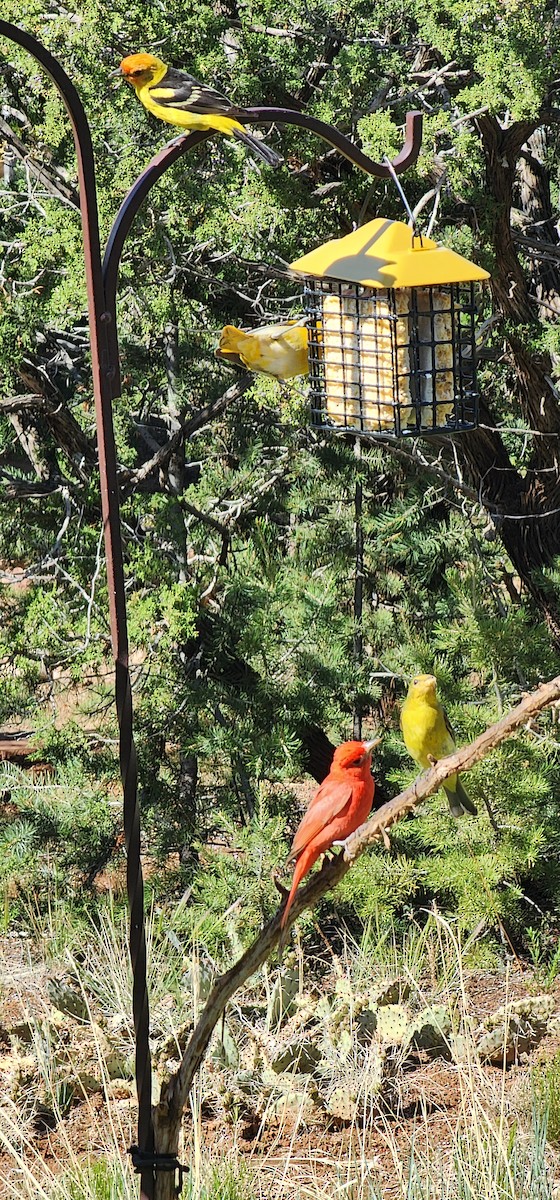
(391, 318)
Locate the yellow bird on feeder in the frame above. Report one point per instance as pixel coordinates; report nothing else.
(277, 350)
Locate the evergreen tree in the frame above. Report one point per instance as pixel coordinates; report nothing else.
(238, 519)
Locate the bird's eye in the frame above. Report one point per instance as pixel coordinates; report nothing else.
(356, 762)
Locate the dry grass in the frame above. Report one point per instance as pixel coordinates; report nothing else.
(455, 1129)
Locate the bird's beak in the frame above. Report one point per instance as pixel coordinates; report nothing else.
(370, 746)
(116, 74)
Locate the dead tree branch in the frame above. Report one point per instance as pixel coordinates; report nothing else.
(59, 420)
(48, 176)
(130, 479)
(175, 1091)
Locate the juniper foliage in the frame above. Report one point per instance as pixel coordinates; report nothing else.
(240, 550)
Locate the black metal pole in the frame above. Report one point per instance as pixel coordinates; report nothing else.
(358, 590)
(103, 367)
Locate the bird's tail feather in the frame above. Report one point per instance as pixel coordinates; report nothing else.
(299, 871)
(304, 862)
(268, 155)
(459, 800)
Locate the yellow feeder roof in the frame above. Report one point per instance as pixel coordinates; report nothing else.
(386, 254)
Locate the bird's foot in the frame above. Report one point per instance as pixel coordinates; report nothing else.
(432, 761)
(284, 891)
(331, 851)
(326, 856)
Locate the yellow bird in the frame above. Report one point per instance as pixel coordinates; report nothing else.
(277, 350)
(179, 99)
(428, 735)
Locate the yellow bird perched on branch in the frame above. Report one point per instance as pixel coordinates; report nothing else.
(179, 99)
(277, 350)
(428, 736)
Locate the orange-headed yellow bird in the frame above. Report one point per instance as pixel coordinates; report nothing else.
(177, 98)
(342, 803)
(428, 735)
(278, 350)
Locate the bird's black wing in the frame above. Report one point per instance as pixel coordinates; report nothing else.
(178, 90)
(448, 724)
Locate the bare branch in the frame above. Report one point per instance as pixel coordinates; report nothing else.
(37, 412)
(131, 479)
(174, 1094)
(206, 518)
(296, 34)
(17, 404)
(14, 488)
(415, 457)
(47, 562)
(50, 177)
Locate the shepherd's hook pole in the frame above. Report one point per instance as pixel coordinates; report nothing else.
(104, 369)
(101, 291)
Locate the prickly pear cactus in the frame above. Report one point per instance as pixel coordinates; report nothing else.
(337, 1052)
(394, 991)
(225, 1050)
(274, 1097)
(250, 1054)
(282, 996)
(298, 1105)
(514, 1029)
(431, 1028)
(301, 1055)
(64, 995)
(351, 1097)
(342, 1103)
(393, 1025)
(497, 1046)
(535, 1009)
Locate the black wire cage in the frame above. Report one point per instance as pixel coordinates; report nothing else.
(394, 361)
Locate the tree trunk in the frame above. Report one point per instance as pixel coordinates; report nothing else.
(524, 508)
(540, 226)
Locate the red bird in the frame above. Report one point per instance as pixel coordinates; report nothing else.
(342, 803)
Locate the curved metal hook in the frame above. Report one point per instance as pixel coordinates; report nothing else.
(404, 159)
(181, 145)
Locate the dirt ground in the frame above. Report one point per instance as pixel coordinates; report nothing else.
(430, 1099)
